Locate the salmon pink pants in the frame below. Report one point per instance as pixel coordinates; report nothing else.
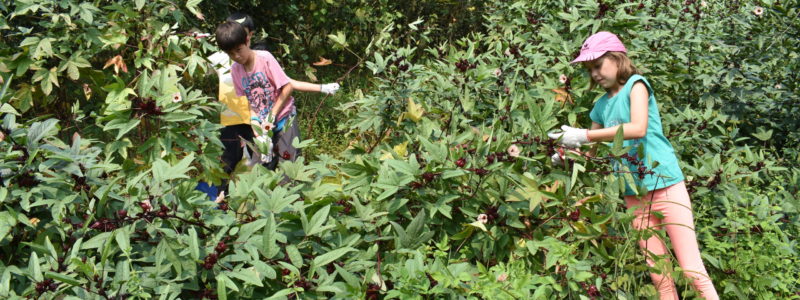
(673, 203)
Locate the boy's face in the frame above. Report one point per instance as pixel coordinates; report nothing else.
(240, 54)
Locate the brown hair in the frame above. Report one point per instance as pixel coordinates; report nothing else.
(625, 67)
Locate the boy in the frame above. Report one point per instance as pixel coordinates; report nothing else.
(235, 96)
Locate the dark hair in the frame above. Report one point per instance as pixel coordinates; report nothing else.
(230, 35)
(260, 46)
(244, 19)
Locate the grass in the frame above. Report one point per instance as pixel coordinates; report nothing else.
(324, 127)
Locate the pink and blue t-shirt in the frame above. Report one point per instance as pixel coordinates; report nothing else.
(262, 86)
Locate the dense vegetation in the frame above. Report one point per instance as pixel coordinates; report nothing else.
(427, 177)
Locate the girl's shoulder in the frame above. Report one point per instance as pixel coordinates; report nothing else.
(638, 78)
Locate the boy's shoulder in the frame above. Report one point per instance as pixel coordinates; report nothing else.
(264, 54)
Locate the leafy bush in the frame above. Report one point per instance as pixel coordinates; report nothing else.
(446, 190)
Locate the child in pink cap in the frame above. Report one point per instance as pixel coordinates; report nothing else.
(629, 102)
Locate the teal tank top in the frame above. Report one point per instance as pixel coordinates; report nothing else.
(616, 110)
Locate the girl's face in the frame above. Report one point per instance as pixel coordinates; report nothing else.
(604, 72)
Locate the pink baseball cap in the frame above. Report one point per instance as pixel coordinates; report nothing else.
(598, 44)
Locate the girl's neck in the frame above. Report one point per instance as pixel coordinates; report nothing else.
(614, 90)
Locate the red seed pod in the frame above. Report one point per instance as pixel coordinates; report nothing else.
(575, 215)
(461, 162)
(221, 247)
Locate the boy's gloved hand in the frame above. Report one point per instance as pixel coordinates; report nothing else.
(329, 88)
(571, 137)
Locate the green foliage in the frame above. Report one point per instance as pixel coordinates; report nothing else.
(445, 190)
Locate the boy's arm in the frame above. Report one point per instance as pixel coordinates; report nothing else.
(302, 86)
(286, 92)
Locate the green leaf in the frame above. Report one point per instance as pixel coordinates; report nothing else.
(227, 282)
(619, 142)
(763, 135)
(414, 229)
(338, 38)
(123, 240)
(319, 218)
(33, 267)
(329, 257)
(96, 241)
(281, 294)
(178, 117)
(194, 244)
(163, 172)
(222, 293)
(40, 130)
(248, 276)
(43, 49)
(294, 255)
(63, 278)
(3, 91)
(478, 224)
(117, 98)
(269, 247)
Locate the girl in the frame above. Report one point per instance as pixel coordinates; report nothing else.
(629, 102)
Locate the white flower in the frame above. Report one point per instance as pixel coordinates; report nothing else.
(778, 86)
(145, 205)
(502, 277)
(703, 4)
(513, 151)
(758, 11)
(220, 197)
(497, 72)
(483, 218)
(176, 97)
(563, 79)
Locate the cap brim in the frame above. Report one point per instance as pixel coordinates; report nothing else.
(588, 56)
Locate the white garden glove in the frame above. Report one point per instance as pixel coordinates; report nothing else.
(571, 137)
(329, 88)
(557, 159)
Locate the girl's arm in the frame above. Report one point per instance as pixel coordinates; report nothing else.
(637, 128)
